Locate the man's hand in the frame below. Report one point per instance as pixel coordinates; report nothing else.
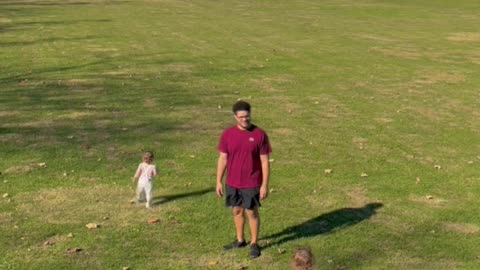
(219, 189)
(263, 192)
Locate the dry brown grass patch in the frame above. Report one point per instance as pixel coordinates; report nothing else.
(462, 228)
(357, 197)
(5, 20)
(431, 77)
(398, 52)
(267, 84)
(178, 68)
(395, 224)
(429, 200)
(5, 218)
(8, 113)
(62, 205)
(19, 169)
(149, 103)
(77, 82)
(93, 48)
(31, 124)
(76, 115)
(465, 36)
(375, 38)
(282, 131)
(402, 261)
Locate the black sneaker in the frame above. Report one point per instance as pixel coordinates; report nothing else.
(254, 251)
(235, 244)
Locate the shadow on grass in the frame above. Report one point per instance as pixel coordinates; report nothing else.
(167, 198)
(324, 224)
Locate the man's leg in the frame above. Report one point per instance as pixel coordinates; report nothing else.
(239, 221)
(254, 223)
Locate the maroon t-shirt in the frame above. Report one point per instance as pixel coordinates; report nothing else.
(243, 149)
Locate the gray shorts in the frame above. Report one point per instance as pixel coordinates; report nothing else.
(248, 198)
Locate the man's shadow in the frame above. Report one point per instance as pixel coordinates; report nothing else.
(166, 198)
(324, 224)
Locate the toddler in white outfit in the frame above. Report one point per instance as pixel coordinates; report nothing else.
(145, 172)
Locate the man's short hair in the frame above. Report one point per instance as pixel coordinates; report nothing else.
(240, 106)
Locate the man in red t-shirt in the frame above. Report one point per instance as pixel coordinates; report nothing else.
(244, 150)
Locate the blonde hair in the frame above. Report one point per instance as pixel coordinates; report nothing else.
(148, 156)
(302, 259)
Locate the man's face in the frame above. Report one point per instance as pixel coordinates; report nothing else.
(243, 119)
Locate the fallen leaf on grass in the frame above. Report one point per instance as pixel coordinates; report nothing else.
(438, 167)
(42, 164)
(73, 250)
(271, 160)
(281, 250)
(5, 195)
(92, 226)
(429, 197)
(363, 175)
(70, 235)
(417, 181)
(242, 267)
(153, 220)
(47, 243)
(327, 171)
(125, 268)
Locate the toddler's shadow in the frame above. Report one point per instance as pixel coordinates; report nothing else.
(158, 200)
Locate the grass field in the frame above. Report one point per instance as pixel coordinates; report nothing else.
(383, 93)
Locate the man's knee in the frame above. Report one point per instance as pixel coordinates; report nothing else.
(252, 213)
(237, 211)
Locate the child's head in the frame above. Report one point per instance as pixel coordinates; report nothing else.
(147, 157)
(302, 259)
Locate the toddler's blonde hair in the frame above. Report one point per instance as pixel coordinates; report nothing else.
(148, 156)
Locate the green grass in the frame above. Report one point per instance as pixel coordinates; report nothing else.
(386, 88)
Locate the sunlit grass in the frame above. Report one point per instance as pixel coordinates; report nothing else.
(382, 93)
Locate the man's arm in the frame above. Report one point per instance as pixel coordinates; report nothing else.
(265, 176)
(221, 166)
